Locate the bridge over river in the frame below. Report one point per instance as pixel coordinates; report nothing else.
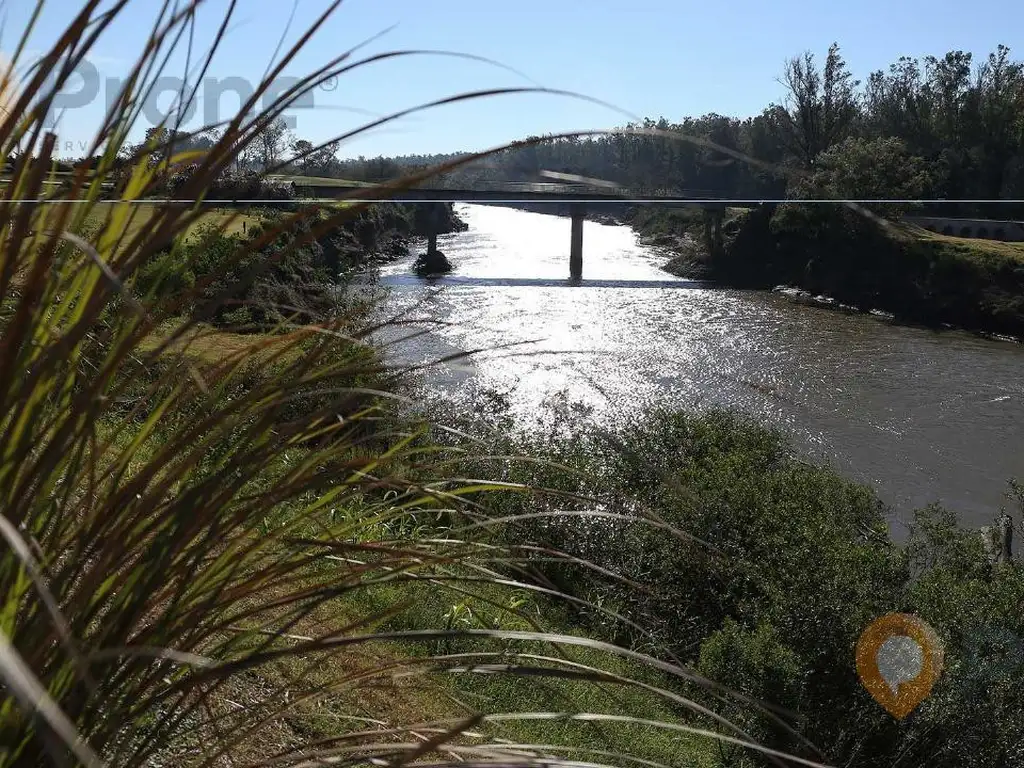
(579, 197)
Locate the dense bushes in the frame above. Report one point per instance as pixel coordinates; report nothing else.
(232, 186)
(787, 564)
(223, 279)
(868, 169)
(220, 278)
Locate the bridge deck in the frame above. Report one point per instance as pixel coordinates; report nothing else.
(510, 193)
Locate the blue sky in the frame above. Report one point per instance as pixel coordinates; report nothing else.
(647, 57)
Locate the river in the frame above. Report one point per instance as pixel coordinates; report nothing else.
(920, 415)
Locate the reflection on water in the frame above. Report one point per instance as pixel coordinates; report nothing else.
(923, 416)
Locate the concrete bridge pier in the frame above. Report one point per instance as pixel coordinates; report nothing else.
(577, 211)
(713, 217)
(430, 221)
(434, 215)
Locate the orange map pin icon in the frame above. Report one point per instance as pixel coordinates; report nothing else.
(899, 658)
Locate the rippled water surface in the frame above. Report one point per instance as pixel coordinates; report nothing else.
(921, 415)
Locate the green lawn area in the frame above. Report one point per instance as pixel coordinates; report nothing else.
(966, 246)
(323, 181)
(232, 220)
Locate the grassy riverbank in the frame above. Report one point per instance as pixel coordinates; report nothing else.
(225, 221)
(767, 576)
(395, 681)
(769, 572)
(835, 251)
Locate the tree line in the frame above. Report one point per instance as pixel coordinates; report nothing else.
(937, 128)
(944, 127)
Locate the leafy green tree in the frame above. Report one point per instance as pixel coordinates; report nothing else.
(313, 160)
(1000, 97)
(869, 169)
(899, 104)
(302, 148)
(821, 106)
(271, 143)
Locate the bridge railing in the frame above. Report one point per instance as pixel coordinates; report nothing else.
(546, 187)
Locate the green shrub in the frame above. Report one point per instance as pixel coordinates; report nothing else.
(759, 664)
(166, 275)
(787, 564)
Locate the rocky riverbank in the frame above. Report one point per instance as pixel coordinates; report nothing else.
(685, 254)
